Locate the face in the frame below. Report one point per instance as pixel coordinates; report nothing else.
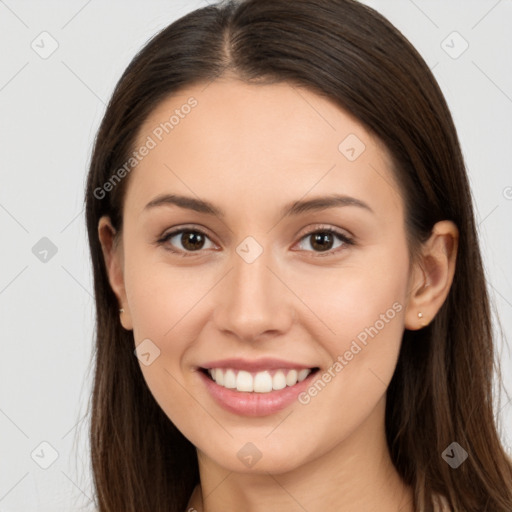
(284, 289)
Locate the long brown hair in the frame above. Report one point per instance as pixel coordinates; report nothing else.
(441, 391)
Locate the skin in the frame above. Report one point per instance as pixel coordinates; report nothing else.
(251, 149)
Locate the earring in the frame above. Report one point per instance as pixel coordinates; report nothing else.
(121, 310)
(420, 316)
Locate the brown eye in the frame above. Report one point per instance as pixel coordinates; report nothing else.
(191, 240)
(323, 240)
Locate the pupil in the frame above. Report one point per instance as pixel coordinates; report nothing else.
(320, 240)
(192, 240)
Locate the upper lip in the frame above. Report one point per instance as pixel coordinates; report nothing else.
(255, 365)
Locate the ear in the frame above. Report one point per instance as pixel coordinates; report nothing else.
(432, 275)
(112, 249)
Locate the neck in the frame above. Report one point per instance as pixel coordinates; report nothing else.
(356, 474)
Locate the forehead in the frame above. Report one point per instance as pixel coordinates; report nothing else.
(277, 140)
(283, 115)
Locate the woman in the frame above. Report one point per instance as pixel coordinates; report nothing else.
(291, 306)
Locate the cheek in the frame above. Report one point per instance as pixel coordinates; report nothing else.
(161, 296)
(365, 306)
(362, 309)
(371, 289)
(164, 310)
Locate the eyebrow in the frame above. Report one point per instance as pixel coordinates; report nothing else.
(293, 208)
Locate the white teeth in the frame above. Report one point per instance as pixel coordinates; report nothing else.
(302, 374)
(279, 380)
(229, 378)
(291, 378)
(260, 382)
(244, 381)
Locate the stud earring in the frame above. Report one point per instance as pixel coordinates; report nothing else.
(121, 310)
(420, 316)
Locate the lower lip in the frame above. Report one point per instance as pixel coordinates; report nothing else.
(255, 404)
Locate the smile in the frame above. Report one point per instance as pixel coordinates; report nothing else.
(258, 382)
(255, 388)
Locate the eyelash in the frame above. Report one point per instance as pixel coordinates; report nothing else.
(344, 238)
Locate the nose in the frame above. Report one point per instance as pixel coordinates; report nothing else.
(253, 301)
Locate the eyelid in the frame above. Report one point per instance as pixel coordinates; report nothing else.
(185, 227)
(344, 233)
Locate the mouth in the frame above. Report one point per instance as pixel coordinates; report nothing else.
(265, 381)
(252, 389)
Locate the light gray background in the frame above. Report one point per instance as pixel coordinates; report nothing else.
(50, 110)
